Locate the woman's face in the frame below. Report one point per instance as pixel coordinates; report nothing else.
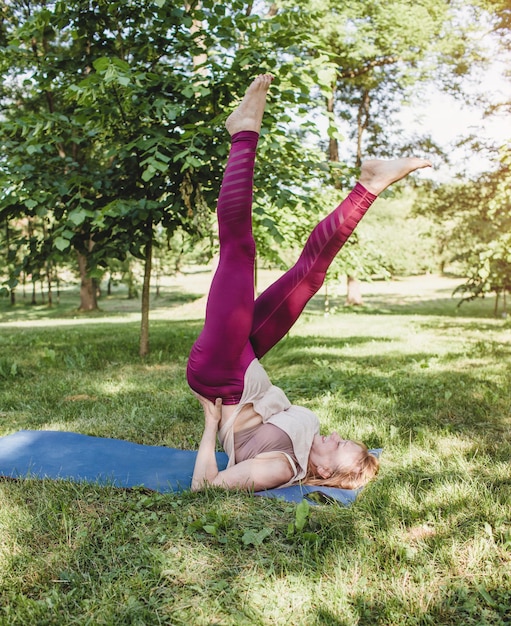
(330, 453)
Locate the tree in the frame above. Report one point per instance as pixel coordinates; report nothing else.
(476, 219)
(112, 113)
(379, 55)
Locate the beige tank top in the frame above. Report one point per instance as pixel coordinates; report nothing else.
(270, 402)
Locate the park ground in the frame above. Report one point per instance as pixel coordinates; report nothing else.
(427, 542)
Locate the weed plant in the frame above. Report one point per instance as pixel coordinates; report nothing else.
(427, 543)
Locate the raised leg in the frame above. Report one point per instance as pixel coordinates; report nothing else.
(221, 354)
(279, 306)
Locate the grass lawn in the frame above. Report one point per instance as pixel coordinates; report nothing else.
(427, 543)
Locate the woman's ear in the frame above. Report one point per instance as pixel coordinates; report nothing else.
(324, 472)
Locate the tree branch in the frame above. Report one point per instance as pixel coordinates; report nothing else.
(367, 67)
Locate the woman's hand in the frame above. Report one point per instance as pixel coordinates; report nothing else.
(265, 471)
(212, 412)
(206, 467)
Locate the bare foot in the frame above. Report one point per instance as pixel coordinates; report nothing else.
(248, 115)
(376, 175)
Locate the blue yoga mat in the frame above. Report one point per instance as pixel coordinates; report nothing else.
(81, 458)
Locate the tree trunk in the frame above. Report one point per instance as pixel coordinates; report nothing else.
(88, 286)
(354, 295)
(327, 300)
(333, 144)
(48, 282)
(146, 292)
(132, 286)
(199, 59)
(363, 116)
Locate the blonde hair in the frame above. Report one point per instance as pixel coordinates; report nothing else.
(357, 476)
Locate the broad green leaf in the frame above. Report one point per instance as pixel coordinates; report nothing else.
(101, 64)
(62, 244)
(77, 216)
(302, 515)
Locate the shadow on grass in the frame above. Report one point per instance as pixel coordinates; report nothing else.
(183, 558)
(165, 552)
(460, 391)
(454, 391)
(460, 603)
(144, 537)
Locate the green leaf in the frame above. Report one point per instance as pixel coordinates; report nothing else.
(251, 537)
(77, 217)
(488, 599)
(34, 148)
(148, 173)
(101, 64)
(123, 65)
(302, 515)
(62, 244)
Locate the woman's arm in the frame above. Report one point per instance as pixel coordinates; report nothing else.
(255, 474)
(265, 471)
(206, 468)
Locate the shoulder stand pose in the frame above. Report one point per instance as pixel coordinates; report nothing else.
(269, 442)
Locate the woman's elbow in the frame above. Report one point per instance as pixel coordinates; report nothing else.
(198, 485)
(204, 483)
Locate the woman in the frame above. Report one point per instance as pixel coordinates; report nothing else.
(270, 443)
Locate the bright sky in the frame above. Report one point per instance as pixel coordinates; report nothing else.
(447, 121)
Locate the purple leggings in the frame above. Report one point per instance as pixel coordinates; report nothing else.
(238, 329)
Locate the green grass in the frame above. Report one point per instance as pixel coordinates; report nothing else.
(428, 542)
